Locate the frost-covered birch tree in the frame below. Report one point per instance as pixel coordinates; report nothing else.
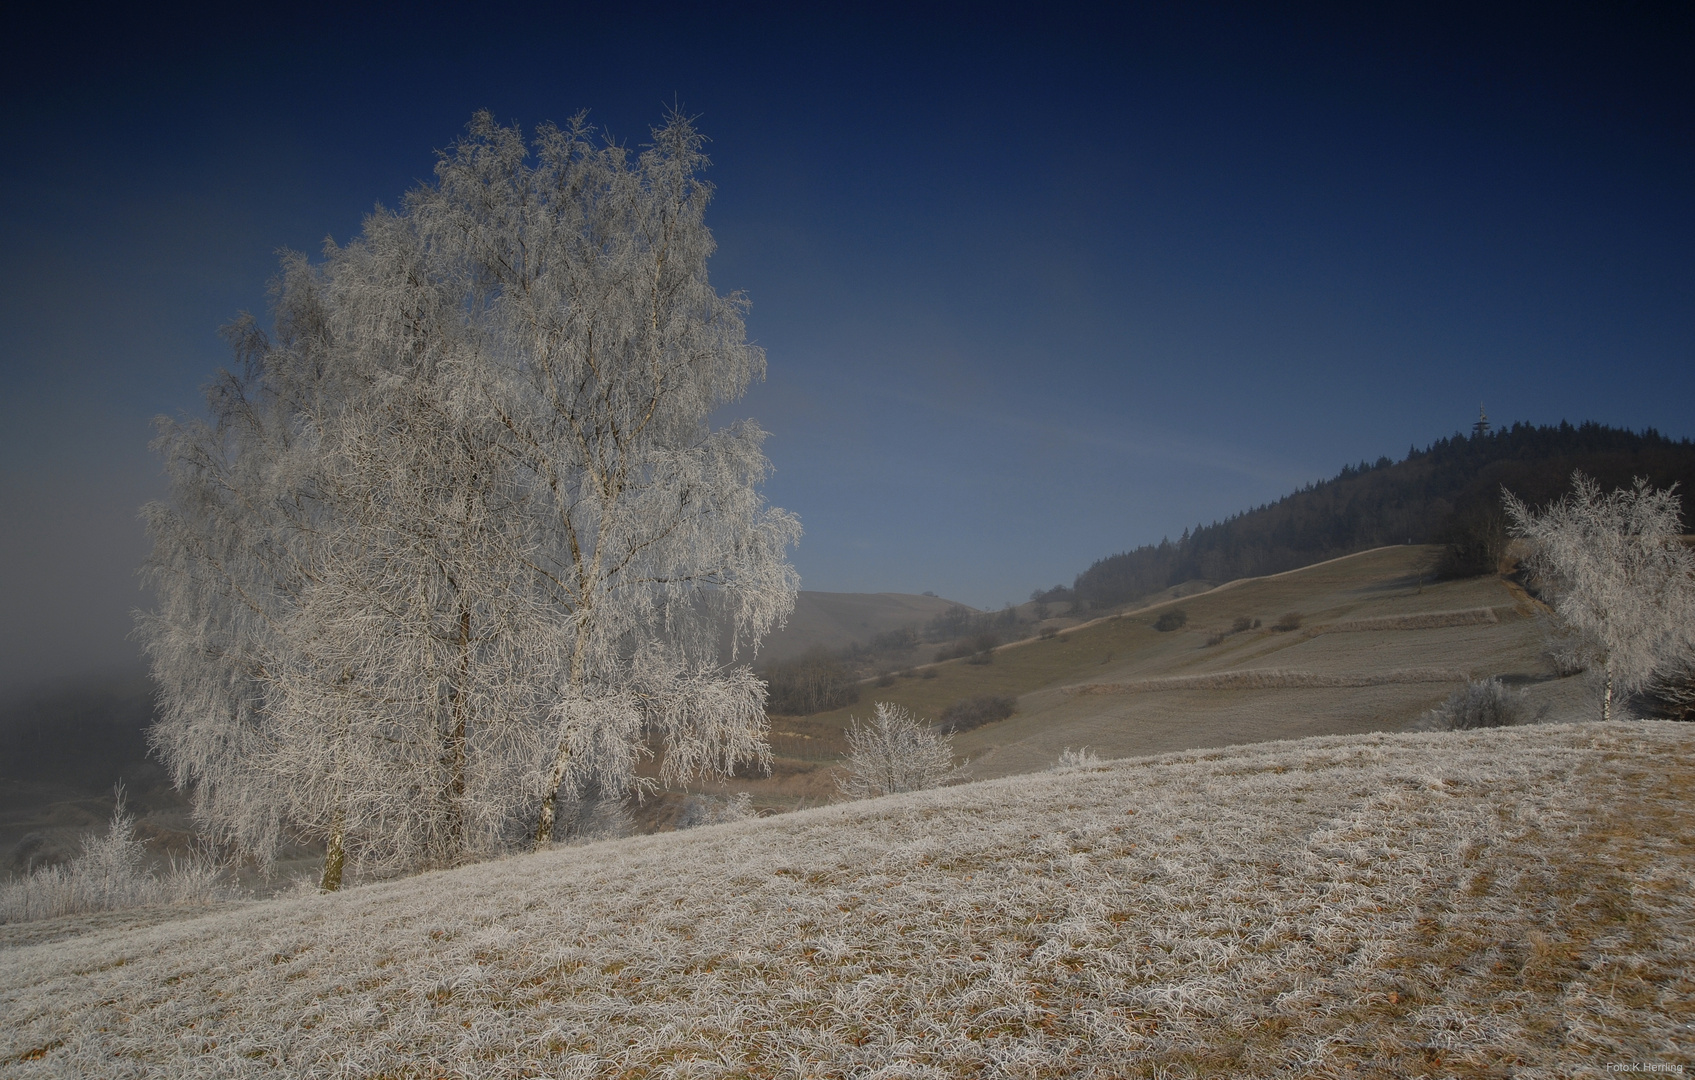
(461, 538)
(608, 349)
(1617, 575)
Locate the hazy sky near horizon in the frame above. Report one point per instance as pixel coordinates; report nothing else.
(1035, 286)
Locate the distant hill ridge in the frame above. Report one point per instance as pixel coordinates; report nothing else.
(1448, 493)
(836, 621)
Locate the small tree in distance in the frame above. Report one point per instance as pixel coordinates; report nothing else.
(1175, 619)
(894, 753)
(1618, 577)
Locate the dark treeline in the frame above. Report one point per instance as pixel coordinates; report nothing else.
(1448, 493)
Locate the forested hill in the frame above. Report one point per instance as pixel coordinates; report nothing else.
(1448, 493)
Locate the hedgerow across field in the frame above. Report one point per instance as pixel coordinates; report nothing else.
(1272, 679)
(1483, 903)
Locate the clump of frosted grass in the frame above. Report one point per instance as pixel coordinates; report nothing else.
(112, 874)
(1080, 758)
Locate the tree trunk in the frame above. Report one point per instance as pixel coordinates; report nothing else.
(561, 756)
(550, 795)
(334, 854)
(1607, 693)
(453, 755)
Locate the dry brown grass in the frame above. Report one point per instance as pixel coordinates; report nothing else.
(1424, 620)
(1274, 679)
(1372, 629)
(1571, 942)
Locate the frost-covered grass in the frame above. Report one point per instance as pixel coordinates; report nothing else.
(1476, 903)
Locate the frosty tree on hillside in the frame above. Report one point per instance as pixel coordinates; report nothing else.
(459, 537)
(892, 753)
(1618, 575)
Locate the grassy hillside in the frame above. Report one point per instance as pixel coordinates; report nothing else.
(1464, 904)
(1388, 641)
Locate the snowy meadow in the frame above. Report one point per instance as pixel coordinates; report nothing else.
(1457, 904)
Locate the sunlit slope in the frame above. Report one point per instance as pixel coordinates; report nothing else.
(1364, 619)
(1384, 905)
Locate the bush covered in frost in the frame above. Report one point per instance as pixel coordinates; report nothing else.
(701, 810)
(1670, 693)
(593, 814)
(110, 874)
(1482, 704)
(892, 753)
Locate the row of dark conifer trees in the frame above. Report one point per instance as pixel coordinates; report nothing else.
(1448, 493)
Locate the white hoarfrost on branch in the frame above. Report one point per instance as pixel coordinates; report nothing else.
(893, 753)
(1618, 577)
(458, 541)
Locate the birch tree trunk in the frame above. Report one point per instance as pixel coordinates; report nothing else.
(335, 854)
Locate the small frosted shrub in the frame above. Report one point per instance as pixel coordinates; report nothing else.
(1670, 693)
(1566, 652)
(111, 874)
(893, 752)
(1289, 620)
(1483, 704)
(701, 810)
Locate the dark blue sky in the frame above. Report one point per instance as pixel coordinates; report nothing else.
(1035, 286)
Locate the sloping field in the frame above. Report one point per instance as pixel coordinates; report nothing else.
(1511, 902)
(1378, 645)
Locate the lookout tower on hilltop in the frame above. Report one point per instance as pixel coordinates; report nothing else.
(1482, 427)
